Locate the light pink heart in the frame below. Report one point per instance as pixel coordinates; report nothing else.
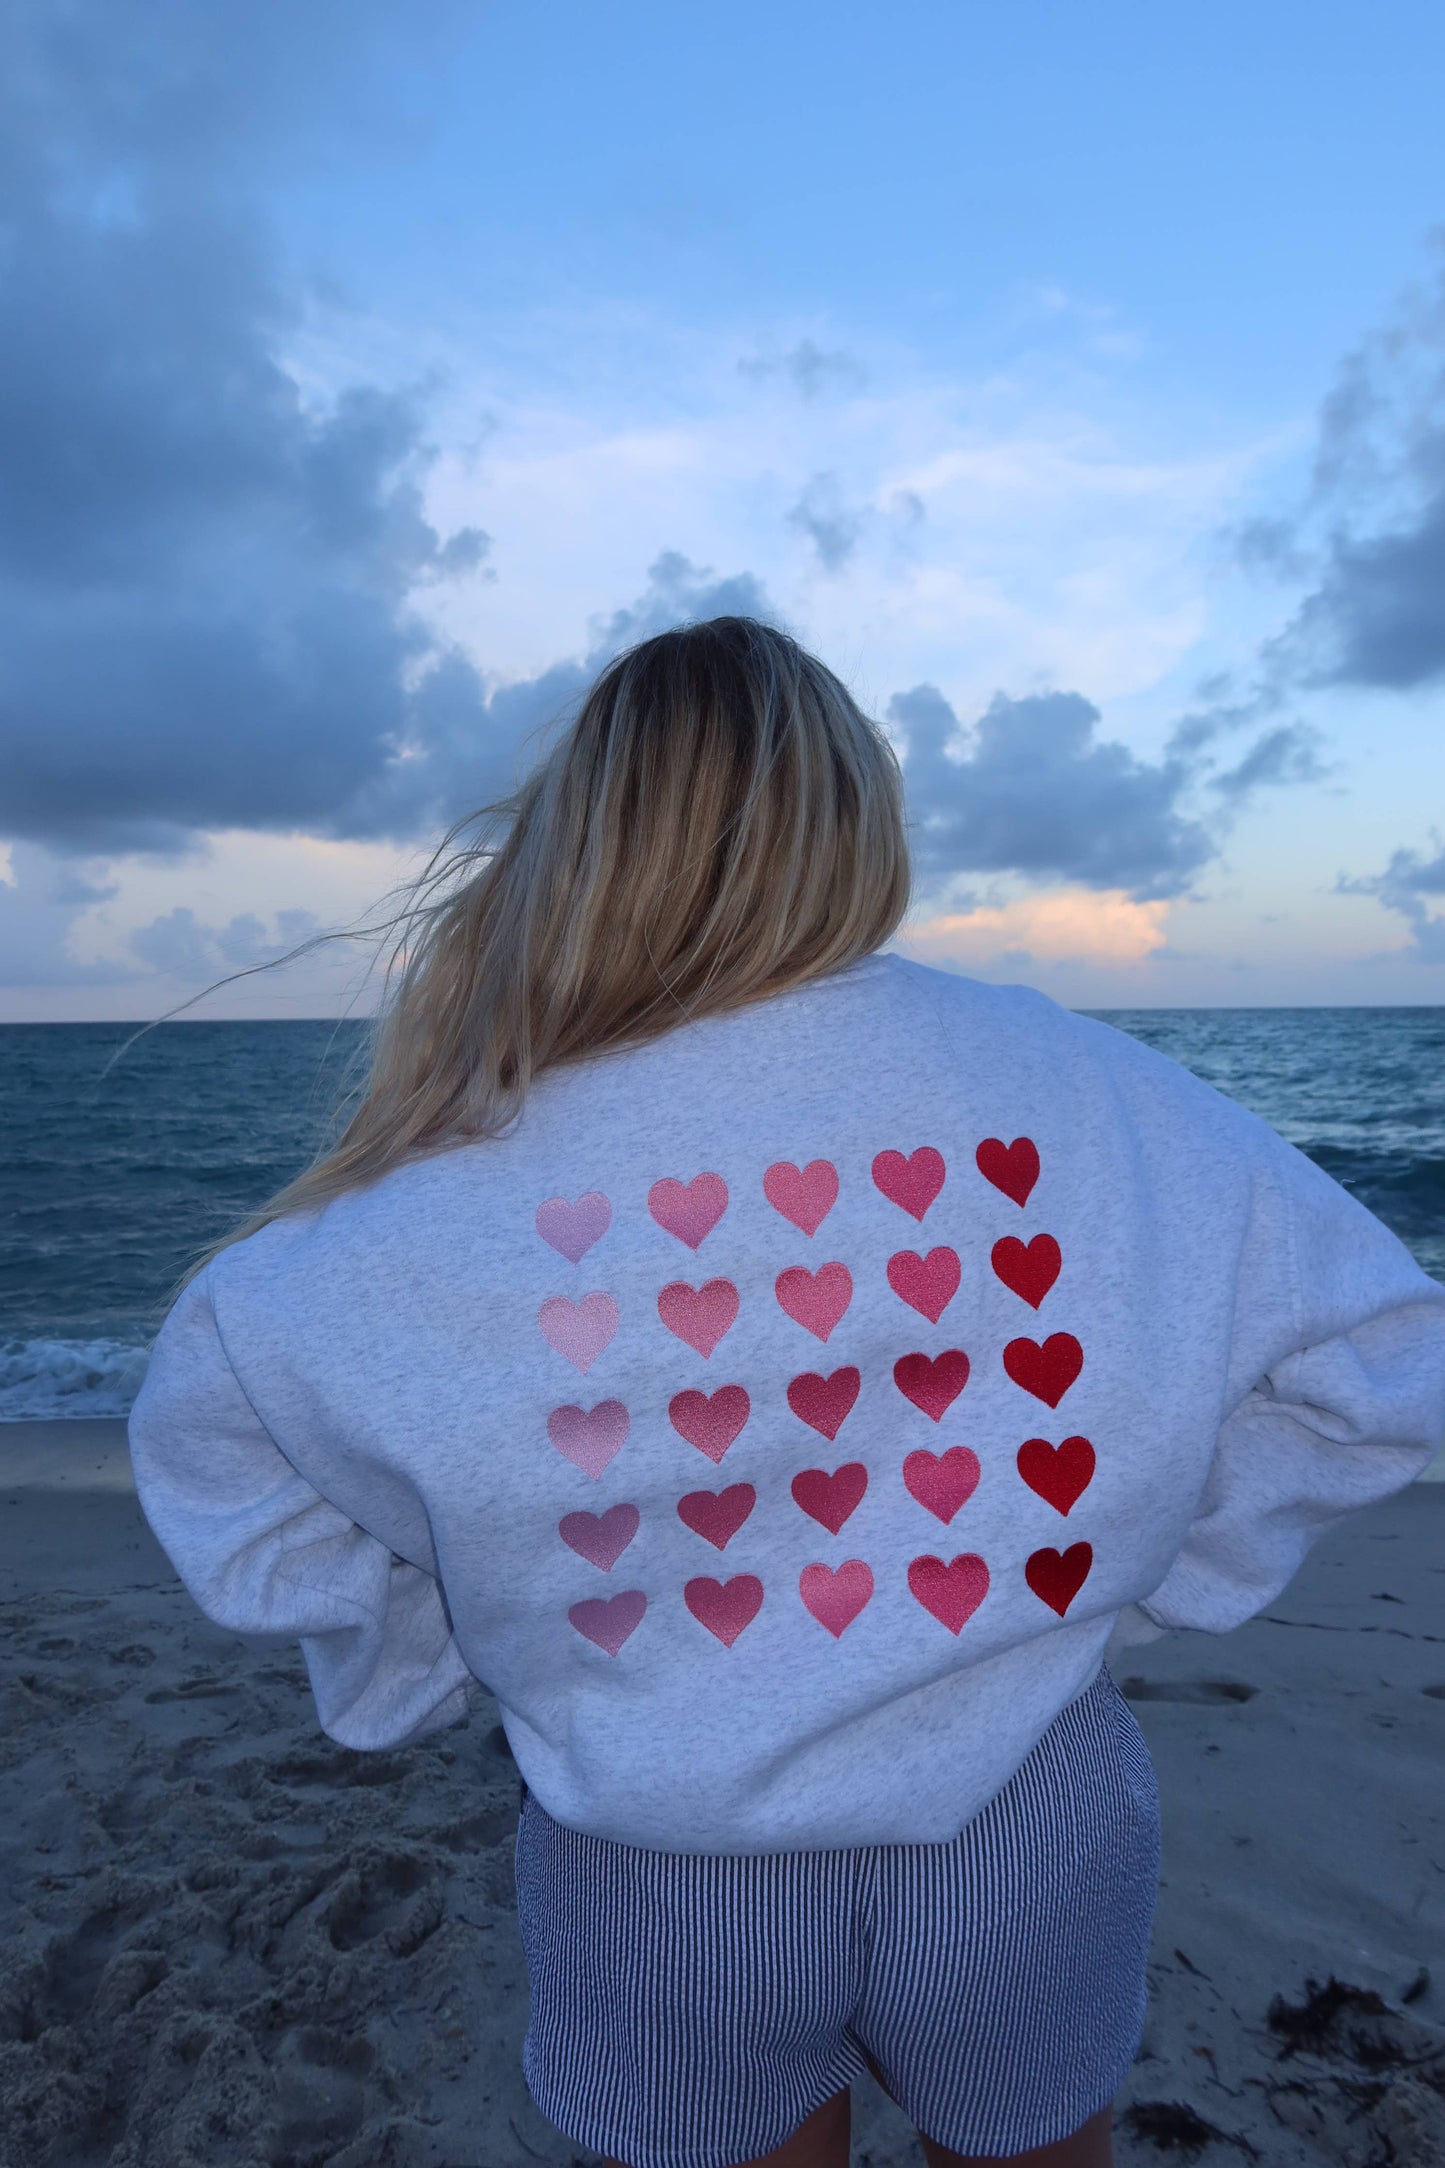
(608, 1620)
(804, 1195)
(836, 1597)
(600, 1538)
(815, 1300)
(699, 1315)
(589, 1438)
(689, 1210)
(573, 1228)
(579, 1330)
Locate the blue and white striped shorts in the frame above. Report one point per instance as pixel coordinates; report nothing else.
(689, 2010)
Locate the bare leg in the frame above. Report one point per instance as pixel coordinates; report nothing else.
(822, 2141)
(1091, 2146)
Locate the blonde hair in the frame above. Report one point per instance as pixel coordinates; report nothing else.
(720, 822)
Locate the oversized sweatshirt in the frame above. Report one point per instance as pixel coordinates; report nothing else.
(784, 1419)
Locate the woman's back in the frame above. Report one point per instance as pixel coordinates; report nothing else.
(787, 1409)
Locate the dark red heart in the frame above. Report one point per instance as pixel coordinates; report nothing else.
(1029, 1268)
(1057, 1576)
(717, 1515)
(831, 1498)
(1013, 1168)
(934, 1382)
(1059, 1473)
(1048, 1371)
(824, 1404)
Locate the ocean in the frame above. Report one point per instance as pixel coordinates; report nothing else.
(113, 1177)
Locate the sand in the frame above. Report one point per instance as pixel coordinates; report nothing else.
(232, 1944)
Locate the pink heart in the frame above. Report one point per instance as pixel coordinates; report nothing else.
(836, 1597)
(689, 1210)
(815, 1300)
(725, 1608)
(803, 1195)
(942, 1481)
(711, 1423)
(573, 1228)
(912, 1183)
(608, 1620)
(600, 1537)
(579, 1330)
(927, 1284)
(699, 1315)
(589, 1438)
(952, 1593)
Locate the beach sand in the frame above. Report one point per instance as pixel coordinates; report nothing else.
(230, 1942)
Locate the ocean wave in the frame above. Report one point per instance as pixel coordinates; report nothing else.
(54, 1380)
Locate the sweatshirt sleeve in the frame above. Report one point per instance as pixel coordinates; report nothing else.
(1335, 1397)
(267, 1556)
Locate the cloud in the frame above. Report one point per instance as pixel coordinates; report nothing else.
(1285, 755)
(807, 367)
(203, 577)
(1067, 925)
(1035, 793)
(180, 946)
(1370, 537)
(829, 524)
(1403, 886)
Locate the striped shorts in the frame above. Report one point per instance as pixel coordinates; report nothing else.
(690, 2010)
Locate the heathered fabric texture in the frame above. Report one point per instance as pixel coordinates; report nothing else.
(686, 2012)
(411, 1431)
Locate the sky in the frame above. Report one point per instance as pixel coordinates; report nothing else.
(1071, 380)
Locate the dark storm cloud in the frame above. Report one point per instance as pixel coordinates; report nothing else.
(203, 578)
(1036, 793)
(1370, 540)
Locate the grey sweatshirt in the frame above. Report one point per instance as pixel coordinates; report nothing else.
(786, 1418)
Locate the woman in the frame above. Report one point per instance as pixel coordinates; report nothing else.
(785, 1374)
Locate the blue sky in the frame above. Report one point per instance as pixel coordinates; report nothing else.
(1072, 379)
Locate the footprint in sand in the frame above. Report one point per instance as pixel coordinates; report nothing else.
(1192, 1690)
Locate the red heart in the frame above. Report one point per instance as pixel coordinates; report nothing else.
(710, 1423)
(689, 1210)
(824, 1403)
(1058, 1473)
(912, 1183)
(831, 1498)
(1013, 1168)
(1048, 1371)
(805, 1196)
(725, 1608)
(698, 1315)
(1029, 1268)
(815, 1300)
(1057, 1576)
(942, 1481)
(717, 1516)
(926, 1283)
(932, 1383)
(836, 1598)
(952, 1592)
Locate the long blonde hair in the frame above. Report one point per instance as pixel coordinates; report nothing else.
(720, 822)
